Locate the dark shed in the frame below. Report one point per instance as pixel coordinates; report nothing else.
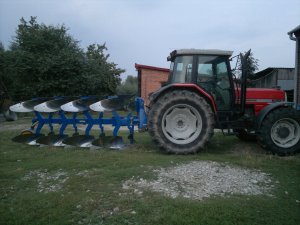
(275, 77)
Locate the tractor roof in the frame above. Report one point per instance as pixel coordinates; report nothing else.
(199, 52)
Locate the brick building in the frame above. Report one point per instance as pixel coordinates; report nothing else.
(150, 79)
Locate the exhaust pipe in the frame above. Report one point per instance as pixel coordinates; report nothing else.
(244, 80)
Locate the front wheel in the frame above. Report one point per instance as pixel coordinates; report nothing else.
(280, 132)
(181, 122)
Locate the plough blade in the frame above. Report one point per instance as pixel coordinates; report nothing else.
(113, 103)
(54, 140)
(109, 141)
(83, 141)
(117, 143)
(80, 105)
(53, 105)
(100, 142)
(27, 137)
(27, 106)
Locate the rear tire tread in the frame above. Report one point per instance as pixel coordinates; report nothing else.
(156, 112)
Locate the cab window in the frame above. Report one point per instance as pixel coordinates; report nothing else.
(222, 75)
(182, 69)
(213, 76)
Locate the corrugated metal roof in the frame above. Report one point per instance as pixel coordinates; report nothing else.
(267, 72)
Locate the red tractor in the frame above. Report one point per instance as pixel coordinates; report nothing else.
(201, 95)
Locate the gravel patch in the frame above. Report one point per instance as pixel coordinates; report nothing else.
(55, 180)
(202, 179)
(47, 181)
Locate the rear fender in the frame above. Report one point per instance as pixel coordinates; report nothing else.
(265, 111)
(189, 87)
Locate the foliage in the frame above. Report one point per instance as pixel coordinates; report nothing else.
(252, 65)
(1, 47)
(129, 86)
(3, 92)
(2, 52)
(102, 77)
(45, 61)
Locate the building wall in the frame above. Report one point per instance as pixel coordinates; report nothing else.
(266, 82)
(283, 78)
(150, 80)
(278, 77)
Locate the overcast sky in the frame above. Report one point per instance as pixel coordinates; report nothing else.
(146, 31)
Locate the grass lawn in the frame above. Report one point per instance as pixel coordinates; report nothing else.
(78, 186)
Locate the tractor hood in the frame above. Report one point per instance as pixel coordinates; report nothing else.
(261, 97)
(267, 95)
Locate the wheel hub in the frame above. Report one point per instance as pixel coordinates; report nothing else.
(283, 132)
(182, 124)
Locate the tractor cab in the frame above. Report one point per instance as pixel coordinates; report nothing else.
(208, 69)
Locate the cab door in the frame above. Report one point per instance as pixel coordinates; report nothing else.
(213, 75)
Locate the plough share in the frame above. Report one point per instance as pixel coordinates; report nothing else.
(74, 111)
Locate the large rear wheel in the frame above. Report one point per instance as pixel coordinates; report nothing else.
(280, 132)
(181, 122)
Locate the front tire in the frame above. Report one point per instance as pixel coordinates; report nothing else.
(280, 132)
(181, 122)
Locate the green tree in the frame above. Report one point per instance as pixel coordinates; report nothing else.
(252, 65)
(45, 61)
(3, 56)
(1, 47)
(101, 76)
(129, 86)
